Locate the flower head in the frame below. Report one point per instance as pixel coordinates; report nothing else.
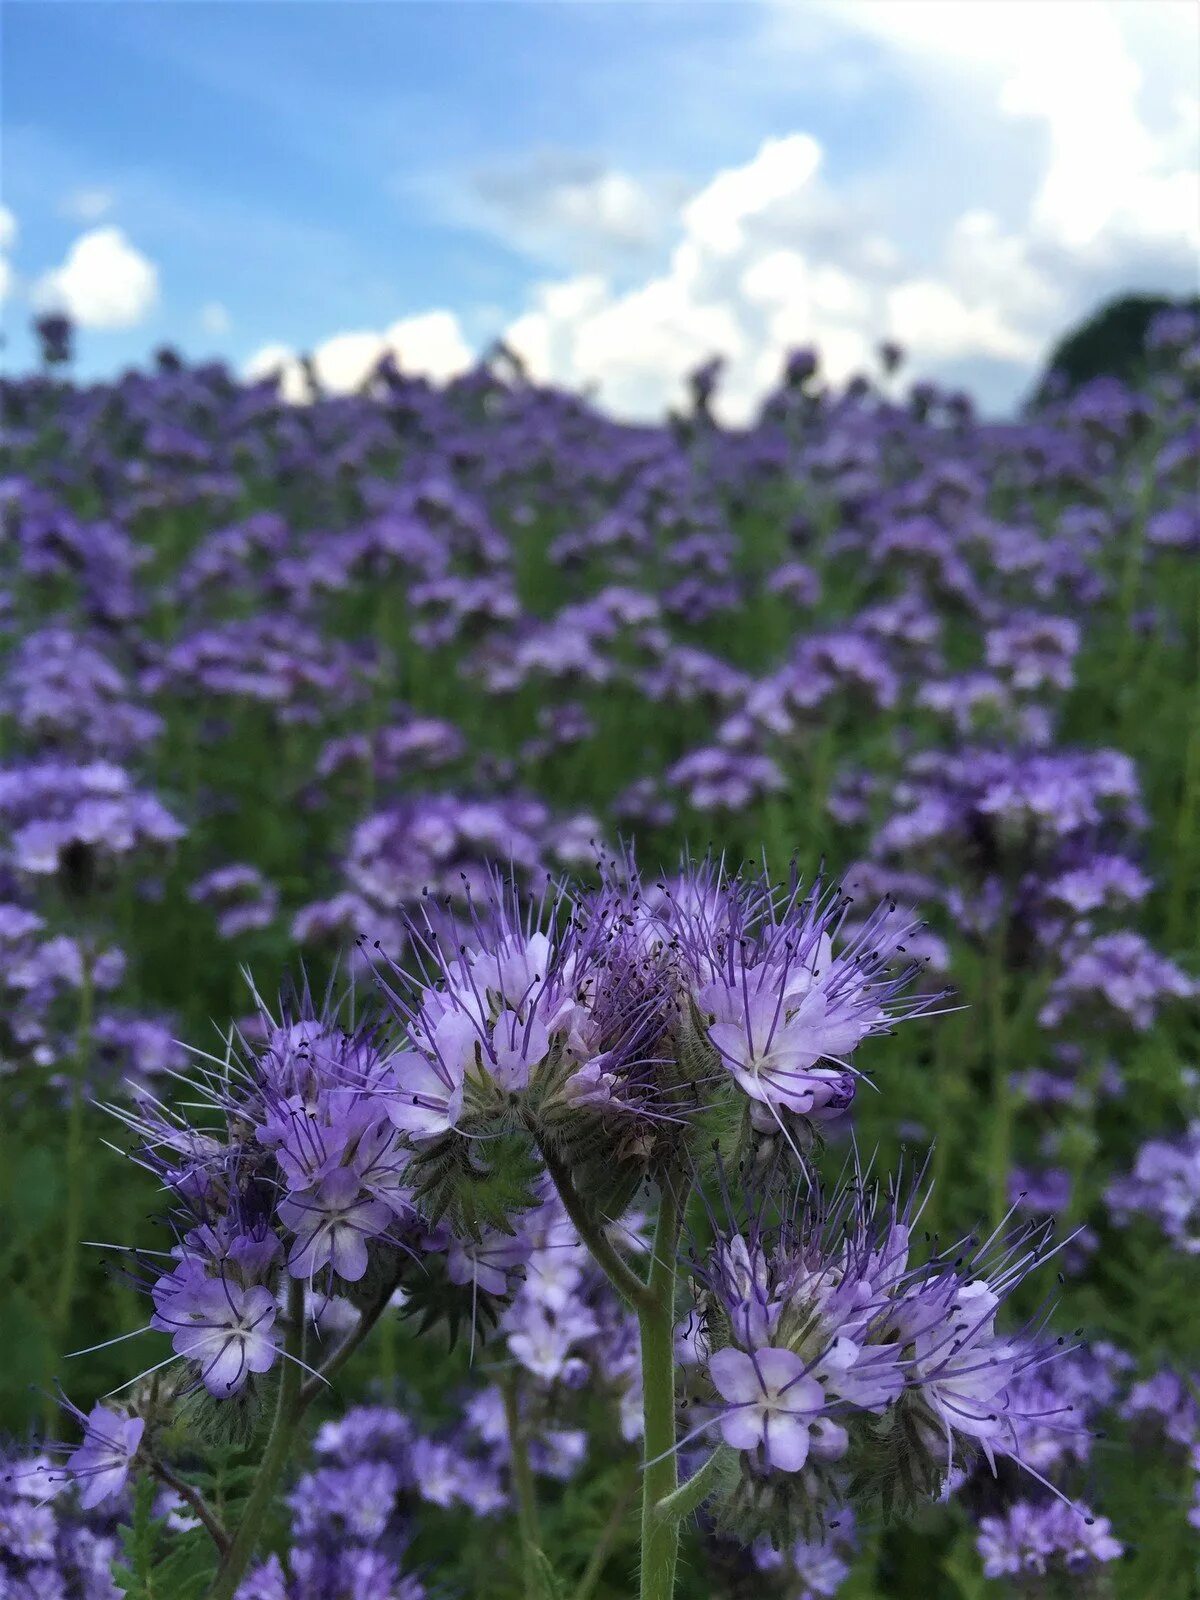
(100, 1466)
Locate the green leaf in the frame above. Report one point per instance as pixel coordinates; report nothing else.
(157, 1563)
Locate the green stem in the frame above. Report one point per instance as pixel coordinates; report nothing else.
(192, 1498)
(616, 1269)
(523, 1485)
(947, 1066)
(289, 1409)
(387, 1358)
(1002, 1099)
(75, 1163)
(660, 1475)
(594, 1570)
(1189, 816)
(339, 1356)
(690, 1495)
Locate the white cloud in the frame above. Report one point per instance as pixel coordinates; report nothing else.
(8, 237)
(429, 345)
(279, 360)
(561, 207)
(105, 282)
(1111, 87)
(1109, 174)
(215, 319)
(1042, 158)
(716, 218)
(88, 205)
(933, 319)
(740, 283)
(1090, 185)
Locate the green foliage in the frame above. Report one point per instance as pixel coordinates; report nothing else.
(545, 1585)
(157, 1563)
(432, 1302)
(232, 1423)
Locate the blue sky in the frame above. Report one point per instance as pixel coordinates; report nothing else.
(618, 189)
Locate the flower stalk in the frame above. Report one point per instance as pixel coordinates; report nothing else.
(524, 1489)
(660, 1475)
(690, 1496)
(290, 1405)
(75, 1160)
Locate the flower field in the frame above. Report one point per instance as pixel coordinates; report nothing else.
(595, 1009)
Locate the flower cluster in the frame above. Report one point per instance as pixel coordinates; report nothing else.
(1034, 1538)
(52, 1540)
(832, 1349)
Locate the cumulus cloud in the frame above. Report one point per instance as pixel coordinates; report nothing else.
(1070, 176)
(930, 317)
(430, 345)
(732, 288)
(105, 282)
(716, 219)
(768, 255)
(1113, 97)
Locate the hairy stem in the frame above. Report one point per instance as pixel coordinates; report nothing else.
(660, 1475)
(524, 1488)
(607, 1257)
(1001, 1132)
(195, 1502)
(341, 1353)
(690, 1495)
(290, 1406)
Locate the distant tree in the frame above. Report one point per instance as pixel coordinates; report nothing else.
(1111, 343)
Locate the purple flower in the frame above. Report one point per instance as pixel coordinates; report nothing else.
(332, 1224)
(1165, 1185)
(770, 1401)
(775, 998)
(1036, 651)
(1122, 971)
(485, 1263)
(1036, 1537)
(867, 1339)
(227, 1330)
(715, 779)
(428, 1081)
(100, 1466)
(240, 895)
